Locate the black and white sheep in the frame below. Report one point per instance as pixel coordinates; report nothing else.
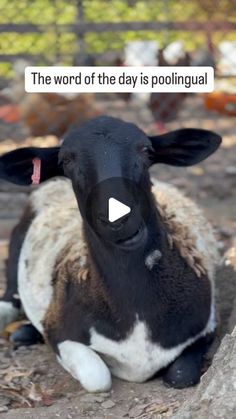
(129, 297)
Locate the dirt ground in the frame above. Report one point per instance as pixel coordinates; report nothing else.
(32, 384)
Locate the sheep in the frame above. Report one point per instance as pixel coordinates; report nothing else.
(130, 297)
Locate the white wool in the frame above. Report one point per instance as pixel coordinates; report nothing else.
(58, 222)
(188, 214)
(57, 192)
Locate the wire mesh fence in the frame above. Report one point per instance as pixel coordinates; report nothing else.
(51, 31)
(117, 32)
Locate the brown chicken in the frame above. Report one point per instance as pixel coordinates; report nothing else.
(45, 113)
(165, 106)
(52, 113)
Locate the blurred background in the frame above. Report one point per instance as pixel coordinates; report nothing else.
(122, 32)
(115, 32)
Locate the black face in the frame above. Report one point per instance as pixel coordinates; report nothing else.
(105, 160)
(107, 157)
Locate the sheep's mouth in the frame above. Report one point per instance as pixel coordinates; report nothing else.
(135, 240)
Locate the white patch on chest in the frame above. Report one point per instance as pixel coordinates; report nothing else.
(137, 358)
(58, 221)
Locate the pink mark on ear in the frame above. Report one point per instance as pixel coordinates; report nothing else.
(36, 171)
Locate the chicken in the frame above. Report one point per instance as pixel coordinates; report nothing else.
(52, 113)
(9, 113)
(227, 58)
(48, 113)
(165, 106)
(137, 53)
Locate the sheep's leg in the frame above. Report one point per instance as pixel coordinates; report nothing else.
(186, 370)
(26, 335)
(85, 365)
(10, 302)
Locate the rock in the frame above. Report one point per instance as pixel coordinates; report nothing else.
(92, 398)
(230, 170)
(232, 324)
(136, 411)
(108, 404)
(215, 396)
(3, 409)
(4, 401)
(105, 395)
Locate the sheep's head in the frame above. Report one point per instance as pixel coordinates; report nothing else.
(105, 158)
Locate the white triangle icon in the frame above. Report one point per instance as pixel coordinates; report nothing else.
(116, 209)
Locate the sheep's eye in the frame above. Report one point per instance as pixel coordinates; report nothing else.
(68, 159)
(143, 149)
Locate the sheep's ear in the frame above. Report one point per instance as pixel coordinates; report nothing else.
(184, 147)
(18, 166)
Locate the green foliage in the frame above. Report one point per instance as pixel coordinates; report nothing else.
(56, 45)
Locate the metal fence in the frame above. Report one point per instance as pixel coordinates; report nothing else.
(121, 32)
(52, 31)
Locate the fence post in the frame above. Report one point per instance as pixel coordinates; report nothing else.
(80, 55)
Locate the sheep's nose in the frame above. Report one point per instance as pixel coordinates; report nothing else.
(114, 225)
(116, 208)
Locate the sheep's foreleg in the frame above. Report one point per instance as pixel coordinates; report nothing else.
(85, 365)
(186, 370)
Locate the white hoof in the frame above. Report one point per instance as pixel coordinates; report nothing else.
(8, 314)
(85, 365)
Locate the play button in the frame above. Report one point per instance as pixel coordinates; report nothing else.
(116, 210)
(114, 200)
